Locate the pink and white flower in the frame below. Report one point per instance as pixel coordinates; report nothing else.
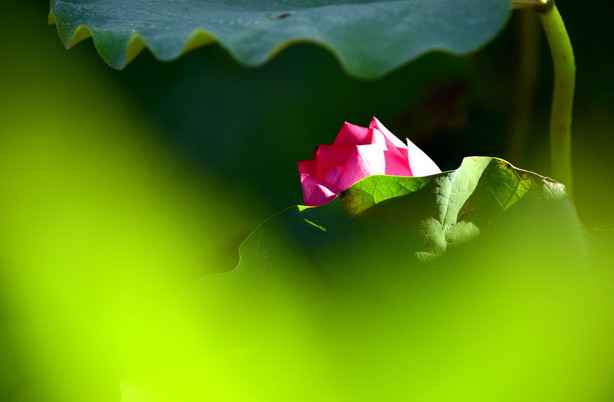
(356, 153)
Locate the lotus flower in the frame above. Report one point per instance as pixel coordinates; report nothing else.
(356, 153)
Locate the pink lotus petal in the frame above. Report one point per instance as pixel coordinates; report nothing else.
(315, 189)
(332, 176)
(419, 162)
(352, 135)
(391, 139)
(307, 167)
(330, 156)
(378, 138)
(396, 158)
(397, 163)
(365, 160)
(321, 195)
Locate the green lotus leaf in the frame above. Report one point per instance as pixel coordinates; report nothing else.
(452, 287)
(369, 37)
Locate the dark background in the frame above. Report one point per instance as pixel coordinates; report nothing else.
(248, 126)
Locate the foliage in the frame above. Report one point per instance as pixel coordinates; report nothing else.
(447, 287)
(369, 37)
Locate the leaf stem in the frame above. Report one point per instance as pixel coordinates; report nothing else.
(562, 102)
(516, 4)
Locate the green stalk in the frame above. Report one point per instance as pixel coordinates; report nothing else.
(564, 85)
(562, 103)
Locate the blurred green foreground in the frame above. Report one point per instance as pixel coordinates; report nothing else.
(106, 234)
(99, 225)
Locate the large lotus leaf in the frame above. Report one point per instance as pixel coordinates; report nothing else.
(453, 287)
(369, 37)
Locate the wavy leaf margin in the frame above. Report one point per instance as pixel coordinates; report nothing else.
(369, 38)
